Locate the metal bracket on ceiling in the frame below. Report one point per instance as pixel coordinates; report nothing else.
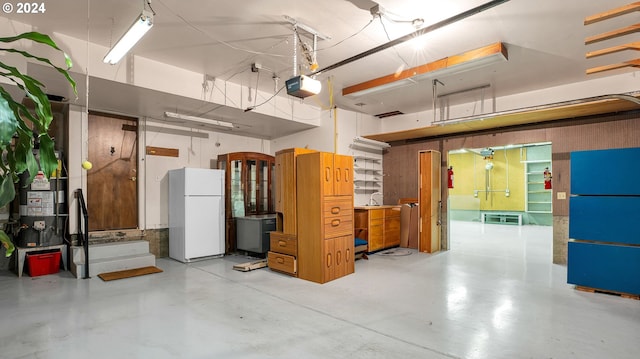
(311, 31)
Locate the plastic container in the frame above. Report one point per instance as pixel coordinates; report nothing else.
(43, 263)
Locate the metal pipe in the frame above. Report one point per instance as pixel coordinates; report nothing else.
(434, 87)
(82, 211)
(413, 35)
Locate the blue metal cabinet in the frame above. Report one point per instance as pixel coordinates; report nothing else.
(613, 219)
(604, 214)
(604, 266)
(606, 172)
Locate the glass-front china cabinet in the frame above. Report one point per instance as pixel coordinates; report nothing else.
(248, 188)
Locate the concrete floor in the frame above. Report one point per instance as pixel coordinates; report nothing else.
(494, 295)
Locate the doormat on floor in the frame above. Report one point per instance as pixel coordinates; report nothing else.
(128, 273)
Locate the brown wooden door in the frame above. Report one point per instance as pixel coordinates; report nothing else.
(112, 196)
(429, 201)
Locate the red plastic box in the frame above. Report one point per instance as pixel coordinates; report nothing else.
(43, 263)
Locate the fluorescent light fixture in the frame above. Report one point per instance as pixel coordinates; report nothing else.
(470, 60)
(140, 26)
(205, 121)
(374, 143)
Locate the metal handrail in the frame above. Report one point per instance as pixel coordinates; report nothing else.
(83, 237)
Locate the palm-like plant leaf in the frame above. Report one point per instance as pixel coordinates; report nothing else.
(16, 137)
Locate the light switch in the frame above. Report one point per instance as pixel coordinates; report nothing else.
(562, 195)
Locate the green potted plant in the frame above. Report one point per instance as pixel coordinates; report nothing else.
(20, 128)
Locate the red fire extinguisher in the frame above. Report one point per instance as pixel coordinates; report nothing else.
(547, 178)
(450, 177)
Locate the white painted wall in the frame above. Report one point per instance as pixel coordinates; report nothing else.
(193, 152)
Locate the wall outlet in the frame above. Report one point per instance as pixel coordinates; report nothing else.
(562, 195)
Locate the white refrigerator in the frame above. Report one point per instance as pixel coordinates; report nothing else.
(196, 214)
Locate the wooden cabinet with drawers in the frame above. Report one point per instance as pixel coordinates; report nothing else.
(379, 225)
(283, 253)
(325, 216)
(283, 249)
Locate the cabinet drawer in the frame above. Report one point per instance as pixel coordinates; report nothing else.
(284, 243)
(282, 263)
(337, 206)
(338, 226)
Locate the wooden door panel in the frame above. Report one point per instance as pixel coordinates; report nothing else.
(326, 161)
(429, 201)
(112, 199)
(329, 260)
(343, 168)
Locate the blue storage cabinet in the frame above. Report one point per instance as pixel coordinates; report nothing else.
(608, 267)
(604, 219)
(612, 219)
(612, 172)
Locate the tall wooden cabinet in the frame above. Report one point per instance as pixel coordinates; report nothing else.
(283, 253)
(325, 216)
(429, 201)
(248, 188)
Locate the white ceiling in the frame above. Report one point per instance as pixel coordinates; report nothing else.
(222, 38)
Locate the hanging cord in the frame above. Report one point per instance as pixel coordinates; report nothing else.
(267, 100)
(394, 48)
(348, 37)
(146, 3)
(255, 98)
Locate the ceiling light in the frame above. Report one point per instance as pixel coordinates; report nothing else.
(205, 121)
(140, 26)
(469, 60)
